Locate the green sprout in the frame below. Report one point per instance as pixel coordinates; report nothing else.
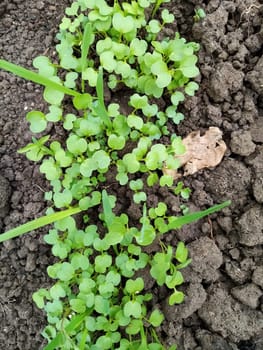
(199, 14)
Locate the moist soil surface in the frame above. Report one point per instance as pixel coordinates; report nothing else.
(223, 309)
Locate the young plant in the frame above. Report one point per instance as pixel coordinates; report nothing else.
(98, 300)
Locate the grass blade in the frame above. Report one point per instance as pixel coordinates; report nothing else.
(100, 109)
(107, 211)
(86, 42)
(35, 77)
(187, 219)
(37, 223)
(144, 216)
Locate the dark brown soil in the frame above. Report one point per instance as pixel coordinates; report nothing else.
(224, 284)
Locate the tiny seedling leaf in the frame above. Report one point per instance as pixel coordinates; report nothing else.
(156, 318)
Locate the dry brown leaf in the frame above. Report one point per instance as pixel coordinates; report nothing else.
(201, 152)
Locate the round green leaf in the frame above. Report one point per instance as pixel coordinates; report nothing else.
(87, 167)
(102, 305)
(83, 101)
(134, 286)
(134, 121)
(188, 68)
(38, 297)
(73, 9)
(166, 180)
(113, 238)
(132, 308)
(113, 277)
(150, 110)
(152, 89)
(50, 169)
(106, 289)
(176, 298)
(123, 68)
(134, 327)
(116, 142)
(161, 209)
(65, 24)
(167, 16)
(138, 47)
(91, 75)
(104, 342)
(52, 96)
(68, 122)
(78, 305)
(37, 121)
(55, 114)
(152, 179)
(123, 24)
(102, 159)
(136, 185)
(191, 88)
(175, 280)
(131, 163)
(57, 291)
(139, 197)
(79, 261)
(54, 308)
(76, 145)
(138, 102)
(102, 262)
(89, 127)
(107, 61)
(178, 146)
(181, 253)
(163, 80)
(86, 285)
(154, 26)
(144, 3)
(65, 272)
(122, 178)
(62, 199)
(70, 80)
(146, 235)
(156, 318)
(44, 66)
(177, 97)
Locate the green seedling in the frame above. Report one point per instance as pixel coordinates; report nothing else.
(97, 301)
(199, 14)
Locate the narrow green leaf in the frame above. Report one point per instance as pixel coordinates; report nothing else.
(37, 223)
(187, 219)
(108, 214)
(82, 343)
(86, 42)
(35, 77)
(101, 109)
